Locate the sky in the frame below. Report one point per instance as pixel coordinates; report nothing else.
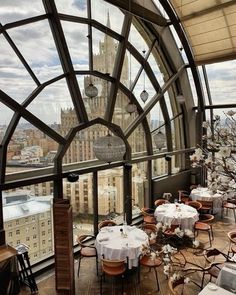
(37, 47)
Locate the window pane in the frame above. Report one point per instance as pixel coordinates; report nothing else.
(27, 215)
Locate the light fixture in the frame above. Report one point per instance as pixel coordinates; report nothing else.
(168, 158)
(131, 107)
(72, 177)
(144, 94)
(91, 90)
(160, 140)
(109, 148)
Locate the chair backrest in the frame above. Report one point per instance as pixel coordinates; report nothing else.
(232, 236)
(106, 223)
(147, 211)
(108, 266)
(81, 241)
(195, 204)
(148, 227)
(207, 204)
(184, 196)
(159, 202)
(173, 285)
(206, 218)
(212, 253)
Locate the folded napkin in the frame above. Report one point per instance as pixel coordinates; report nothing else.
(103, 239)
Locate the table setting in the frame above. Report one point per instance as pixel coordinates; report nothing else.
(183, 215)
(120, 242)
(205, 194)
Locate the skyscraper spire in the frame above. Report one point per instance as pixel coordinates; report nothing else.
(108, 20)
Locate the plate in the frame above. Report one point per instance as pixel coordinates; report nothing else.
(212, 287)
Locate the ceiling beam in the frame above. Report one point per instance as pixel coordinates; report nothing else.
(140, 11)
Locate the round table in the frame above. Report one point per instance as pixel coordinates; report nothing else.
(114, 246)
(181, 214)
(204, 194)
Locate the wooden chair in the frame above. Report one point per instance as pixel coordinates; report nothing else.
(184, 196)
(151, 263)
(228, 206)
(113, 268)
(86, 251)
(214, 267)
(232, 242)
(195, 205)
(159, 202)
(151, 230)
(106, 223)
(207, 206)
(148, 215)
(204, 224)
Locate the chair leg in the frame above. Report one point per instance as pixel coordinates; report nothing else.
(101, 278)
(80, 257)
(212, 232)
(97, 264)
(209, 235)
(234, 215)
(122, 284)
(203, 277)
(158, 288)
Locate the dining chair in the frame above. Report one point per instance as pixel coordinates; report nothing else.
(184, 196)
(176, 287)
(228, 206)
(151, 263)
(207, 206)
(151, 230)
(86, 250)
(205, 225)
(148, 215)
(195, 205)
(113, 268)
(106, 223)
(159, 202)
(212, 266)
(232, 242)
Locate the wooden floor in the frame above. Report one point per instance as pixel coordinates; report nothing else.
(88, 282)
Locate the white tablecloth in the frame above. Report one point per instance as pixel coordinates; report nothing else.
(211, 288)
(227, 277)
(112, 245)
(181, 214)
(204, 194)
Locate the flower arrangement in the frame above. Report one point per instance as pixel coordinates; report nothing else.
(178, 239)
(216, 155)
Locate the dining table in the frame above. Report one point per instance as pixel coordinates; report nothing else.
(212, 288)
(121, 242)
(205, 194)
(174, 213)
(227, 277)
